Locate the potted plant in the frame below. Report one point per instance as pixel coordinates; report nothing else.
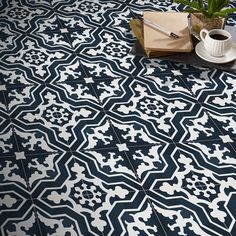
(210, 14)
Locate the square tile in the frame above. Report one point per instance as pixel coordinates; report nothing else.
(62, 219)
(14, 77)
(110, 166)
(199, 184)
(21, 99)
(19, 218)
(36, 137)
(192, 123)
(13, 180)
(97, 214)
(187, 214)
(48, 23)
(224, 117)
(79, 130)
(96, 13)
(34, 56)
(169, 85)
(216, 154)
(52, 174)
(23, 15)
(56, 38)
(152, 163)
(212, 86)
(7, 40)
(152, 66)
(135, 131)
(57, 100)
(132, 210)
(108, 55)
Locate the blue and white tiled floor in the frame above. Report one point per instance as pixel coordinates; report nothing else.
(96, 141)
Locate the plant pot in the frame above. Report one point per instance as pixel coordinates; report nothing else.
(199, 22)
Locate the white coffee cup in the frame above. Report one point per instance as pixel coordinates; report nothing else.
(217, 41)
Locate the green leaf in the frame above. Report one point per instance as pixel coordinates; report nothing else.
(210, 6)
(228, 11)
(193, 4)
(214, 7)
(224, 15)
(220, 4)
(200, 4)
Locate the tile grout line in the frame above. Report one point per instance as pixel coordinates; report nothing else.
(133, 169)
(204, 109)
(200, 185)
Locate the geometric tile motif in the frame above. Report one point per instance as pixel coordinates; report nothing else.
(7, 37)
(224, 118)
(7, 139)
(195, 187)
(34, 57)
(214, 87)
(13, 182)
(143, 5)
(107, 55)
(13, 77)
(97, 141)
(133, 213)
(164, 117)
(20, 16)
(110, 13)
(19, 219)
(65, 174)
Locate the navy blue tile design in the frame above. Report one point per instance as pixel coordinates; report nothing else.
(224, 117)
(96, 141)
(14, 185)
(8, 144)
(95, 13)
(22, 15)
(19, 218)
(187, 213)
(212, 86)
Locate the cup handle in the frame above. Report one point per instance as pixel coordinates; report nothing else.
(203, 34)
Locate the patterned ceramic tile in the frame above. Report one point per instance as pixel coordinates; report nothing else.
(108, 54)
(35, 58)
(96, 13)
(212, 86)
(224, 117)
(82, 129)
(18, 218)
(40, 61)
(203, 182)
(21, 15)
(96, 141)
(187, 214)
(152, 162)
(56, 102)
(13, 180)
(13, 78)
(7, 36)
(169, 85)
(8, 144)
(95, 215)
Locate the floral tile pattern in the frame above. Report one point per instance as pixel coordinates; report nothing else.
(96, 141)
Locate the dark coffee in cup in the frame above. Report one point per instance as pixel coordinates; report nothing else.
(218, 36)
(216, 41)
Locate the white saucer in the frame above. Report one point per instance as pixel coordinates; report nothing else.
(229, 56)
